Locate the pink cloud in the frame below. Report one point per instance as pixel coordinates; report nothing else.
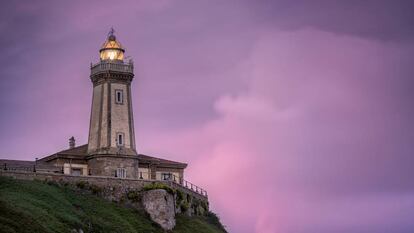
(280, 156)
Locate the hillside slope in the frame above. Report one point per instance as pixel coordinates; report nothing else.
(33, 206)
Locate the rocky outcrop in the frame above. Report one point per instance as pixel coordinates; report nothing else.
(160, 205)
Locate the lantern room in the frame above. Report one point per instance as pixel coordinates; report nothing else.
(112, 50)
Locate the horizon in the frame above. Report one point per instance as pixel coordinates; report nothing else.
(295, 116)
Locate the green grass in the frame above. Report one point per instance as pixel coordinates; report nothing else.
(199, 224)
(33, 206)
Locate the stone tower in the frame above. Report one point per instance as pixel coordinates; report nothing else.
(111, 143)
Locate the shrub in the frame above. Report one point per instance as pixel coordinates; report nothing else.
(213, 219)
(95, 189)
(200, 210)
(184, 206)
(82, 184)
(153, 186)
(52, 182)
(199, 206)
(64, 183)
(134, 196)
(195, 203)
(204, 204)
(180, 195)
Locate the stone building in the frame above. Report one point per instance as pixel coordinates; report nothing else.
(111, 148)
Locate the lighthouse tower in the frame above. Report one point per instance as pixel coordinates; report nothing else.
(111, 144)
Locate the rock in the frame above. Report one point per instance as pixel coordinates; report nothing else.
(160, 206)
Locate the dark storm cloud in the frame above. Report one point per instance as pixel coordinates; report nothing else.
(377, 19)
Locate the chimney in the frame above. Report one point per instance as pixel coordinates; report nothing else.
(72, 142)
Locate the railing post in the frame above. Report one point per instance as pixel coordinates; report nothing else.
(5, 166)
(35, 164)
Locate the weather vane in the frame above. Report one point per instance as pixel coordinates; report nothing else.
(111, 31)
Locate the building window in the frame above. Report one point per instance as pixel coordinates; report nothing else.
(121, 173)
(119, 96)
(76, 172)
(166, 176)
(120, 139)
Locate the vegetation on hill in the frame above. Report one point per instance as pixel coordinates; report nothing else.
(34, 206)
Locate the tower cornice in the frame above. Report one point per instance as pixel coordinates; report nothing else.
(114, 72)
(111, 77)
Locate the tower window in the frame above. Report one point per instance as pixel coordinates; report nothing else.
(119, 96)
(119, 139)
(121, 173)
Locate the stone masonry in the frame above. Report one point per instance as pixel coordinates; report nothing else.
(106, 165)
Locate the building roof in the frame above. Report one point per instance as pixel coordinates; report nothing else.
(112, 43)
(163, 162)
(26, 165)
(80, 152)
(16, 163)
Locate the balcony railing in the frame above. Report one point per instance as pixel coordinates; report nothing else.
(104, 66)
(176, 180)
(27, 168)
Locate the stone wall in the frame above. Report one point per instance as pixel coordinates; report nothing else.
(96, 112)
(120, 186)
(106, 165)
(108, 118)
(121, 115)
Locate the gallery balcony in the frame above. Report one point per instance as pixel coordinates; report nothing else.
(117, 66)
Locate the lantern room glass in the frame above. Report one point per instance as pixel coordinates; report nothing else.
(112, 54)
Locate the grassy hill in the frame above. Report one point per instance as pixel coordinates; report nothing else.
(33, 206)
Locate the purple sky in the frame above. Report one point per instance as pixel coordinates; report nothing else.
(296, 116)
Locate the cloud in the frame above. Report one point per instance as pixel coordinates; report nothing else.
(373, 19)
(310, 146)
(296, 117)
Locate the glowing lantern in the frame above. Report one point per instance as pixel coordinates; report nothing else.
(112, 49)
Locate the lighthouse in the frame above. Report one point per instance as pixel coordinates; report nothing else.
(111, 141)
